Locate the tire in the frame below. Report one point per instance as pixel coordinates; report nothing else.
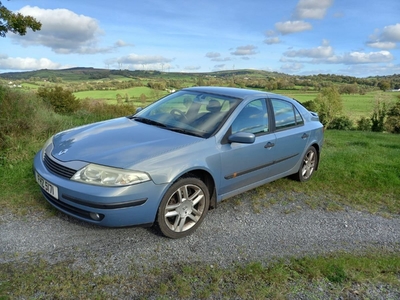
(308, 165)
(183, 207)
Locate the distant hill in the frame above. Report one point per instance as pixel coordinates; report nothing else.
(65, 74)
(86, 74)
(94, 73)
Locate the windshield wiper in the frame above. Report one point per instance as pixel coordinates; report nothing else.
(184, 131)
(149, 121)
(158, 124)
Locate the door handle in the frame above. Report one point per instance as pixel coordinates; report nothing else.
(304, 136)
(269, 145)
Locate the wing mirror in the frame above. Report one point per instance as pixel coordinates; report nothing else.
(242, 138)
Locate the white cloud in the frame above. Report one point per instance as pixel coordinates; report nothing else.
(391, 33)
(63, 31)
(192, 68)
(324, 51)
(121, 43)
(305, 9)
(291, 67)
(361, 70)
(143, 59)
(312, 9)
(140, 62)
(324, 54)
(245, 50)
(292, 27)
(213, 55)
(362, 58)
(385, 39)
(27, 63)
(270, 33)
(382, 45)
(273, 40)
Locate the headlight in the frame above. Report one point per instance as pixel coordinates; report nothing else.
(107, 176)
(47, 144)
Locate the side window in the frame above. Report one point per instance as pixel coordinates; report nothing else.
(253, 118)
(299, 118)
(286, 115)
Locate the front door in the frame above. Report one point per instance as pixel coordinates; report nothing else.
(247, 164)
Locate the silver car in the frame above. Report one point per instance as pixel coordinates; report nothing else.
(172, 161)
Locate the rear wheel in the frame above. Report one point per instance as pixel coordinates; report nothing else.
(308, 165)
(183, 207)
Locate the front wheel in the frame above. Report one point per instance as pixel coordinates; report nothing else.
(183, 207)
(308, 165)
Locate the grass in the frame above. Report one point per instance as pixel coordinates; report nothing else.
(360, 170)
(339, 275)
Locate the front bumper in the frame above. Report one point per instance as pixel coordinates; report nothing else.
(104, 206)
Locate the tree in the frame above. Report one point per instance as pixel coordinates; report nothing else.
(62, 100)
(384, 85)
(328, 105)
(378, 117)
(143, 99)
(16, 22)
(119, 98)
(392, 123)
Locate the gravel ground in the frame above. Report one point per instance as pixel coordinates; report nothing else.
(230, 233)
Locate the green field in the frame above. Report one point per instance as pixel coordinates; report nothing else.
(355, 106)
(32, 86)
(112, 94)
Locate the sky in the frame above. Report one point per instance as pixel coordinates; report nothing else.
(357, 38)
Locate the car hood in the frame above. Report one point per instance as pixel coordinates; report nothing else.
(119, 142)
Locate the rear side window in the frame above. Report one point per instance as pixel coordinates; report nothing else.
(286, 115)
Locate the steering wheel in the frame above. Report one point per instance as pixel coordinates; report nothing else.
(177, 114)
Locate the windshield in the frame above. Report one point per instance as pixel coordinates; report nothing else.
(187, 112)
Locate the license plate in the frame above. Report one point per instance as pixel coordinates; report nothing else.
(47, 186)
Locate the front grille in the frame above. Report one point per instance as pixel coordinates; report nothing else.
(58, 169)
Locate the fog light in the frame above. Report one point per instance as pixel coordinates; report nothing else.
(95, 216)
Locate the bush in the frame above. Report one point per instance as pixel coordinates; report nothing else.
(341, 123)
(23, 114)
(378, 117)
(329, 104)
(310, 105)
(392, 123)
(95, 110)
(63, 101)
(364, 124)
(16, 114)
(10, 109)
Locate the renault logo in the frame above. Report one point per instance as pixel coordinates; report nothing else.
(62, 152)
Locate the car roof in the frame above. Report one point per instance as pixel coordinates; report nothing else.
(230, 91)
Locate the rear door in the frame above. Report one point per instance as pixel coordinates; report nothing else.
(291, 136)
